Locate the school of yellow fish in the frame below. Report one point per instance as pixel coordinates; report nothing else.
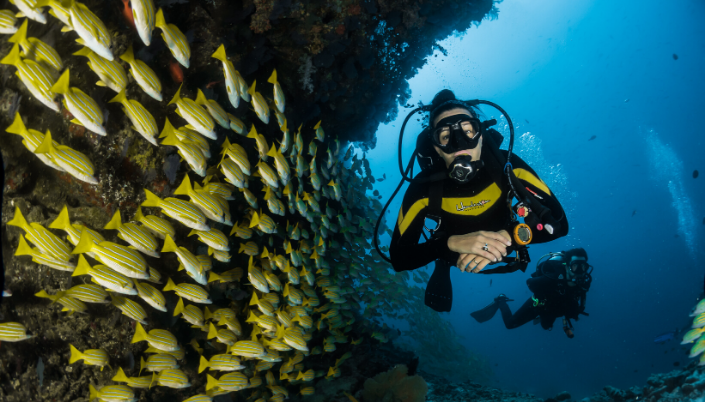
(324, 251)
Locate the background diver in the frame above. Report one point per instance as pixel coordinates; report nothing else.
(466, 186)
(559, 286)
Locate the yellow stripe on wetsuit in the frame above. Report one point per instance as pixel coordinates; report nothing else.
(528, 177)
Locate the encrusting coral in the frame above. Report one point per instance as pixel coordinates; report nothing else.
(395, 386)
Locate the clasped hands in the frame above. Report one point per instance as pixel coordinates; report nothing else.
(479, 249)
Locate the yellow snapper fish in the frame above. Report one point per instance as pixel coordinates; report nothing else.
(183, 211)
(185, 134)
(224, 336)
(13, 332)
(124, 260)
(8, 22)
(213, 238)
(194, 114)
(146, 77)
(189, 151)
(172, 378)
(133, 382)
(280, 164)
(206, 202)
(262, 146)
(85, 109)
(242, 232)
(175, 40)
(91, 357)
(35, 49)
(142, 121)
(231, 77)
(236, 124)
(257, 278)
(238, 155)
(105, 276)
(215, 110)
(279, 100)
(113, 393)
(73, 162)
(192, 314)
(336, 189)
(58, 11)
(224, 277)
(111, 73)
(189, 291)
(46, 241)
(160, 227)
(286, 139)
(151, 295)
(90, 29)
(69, 303)
(222, 362)
(263, 222)
(259, 104)
(186, 258)
(137, 236)
(228, 382)
(157, 338)
(89, 293)
(129, 308)
(249, 197)
(31, 139)
(199, 398)
(30, 9)
(43, 259)
(37, 78)
(320, 134)
(269, 177)
(158, 362)
(143, 15)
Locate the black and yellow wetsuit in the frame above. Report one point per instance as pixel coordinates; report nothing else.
(478, 205)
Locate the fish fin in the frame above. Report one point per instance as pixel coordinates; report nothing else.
(184, 188)
(251, 89)
(101, 84)
(212, 277)
(85, 244)
(181, 268)
(19, 220)
(93, 392)
(128, 56)
(178, 113)
(212, 332)
(179, 307)
(120, 97)
(13, 57)
(76, 122)
(115, 222)
(82, 267)
(21, 35)
(154, 375)
(200, 98)
(169, 285)
(85, 51)
(120, 376)
(62, 220)
(159, 21)
(273, 78)
(23, 248)
(66, 28)
(220, 54)
(211, 383)
(140, 334)
(169, 245)
(152, 200)
(203, 365)
(254, 221)
(177, 96)
(20, 14)
(76, 354)
(143, 364)
(17, 126)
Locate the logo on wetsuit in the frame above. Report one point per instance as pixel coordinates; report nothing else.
(460, 207)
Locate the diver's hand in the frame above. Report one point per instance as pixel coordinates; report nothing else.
(472, 263)
(474, 243)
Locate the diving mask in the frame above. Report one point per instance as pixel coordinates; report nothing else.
(456, 133)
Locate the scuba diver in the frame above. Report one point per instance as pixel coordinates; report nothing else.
(466, 186)
(560, 285)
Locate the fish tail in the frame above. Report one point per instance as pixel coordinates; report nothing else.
(143, 364)
(120, 97)
(220, 54)
(212, 332)
(85, 244)
(21, 35)
(140, 334)
(203, 365)
(83, 52)
(184, 188)
(254, 221)
(169, 245)
(23, 248)
(152, 200)
(317, 125)
(211, 383)
(207, 315)
(46, 147)
(177, 96)
(251, 90)
(242, 248)
(273, 78)
(115, 222)
(138, 215)
(212, 277)
(169, 285)
(62, 84)
(13, 58)
(129, 55)
(169, 135)
(82, 267)
(160, 22)
(62, 220)
(17, 126)
(43, 294)
(76, 355)
(179, 307)
(200, 98)
(19, 221)
(93, 392)
(252, 133)
(154, 375)
(120, 376)
(272, 151)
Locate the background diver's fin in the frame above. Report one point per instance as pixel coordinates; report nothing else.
(439, 290)
(486, 313)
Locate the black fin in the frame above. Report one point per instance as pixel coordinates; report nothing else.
(439, 290)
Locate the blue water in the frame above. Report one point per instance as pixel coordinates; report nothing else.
(566, 71)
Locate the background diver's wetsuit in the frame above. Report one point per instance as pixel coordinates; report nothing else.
(553, 298)
(478, 205)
